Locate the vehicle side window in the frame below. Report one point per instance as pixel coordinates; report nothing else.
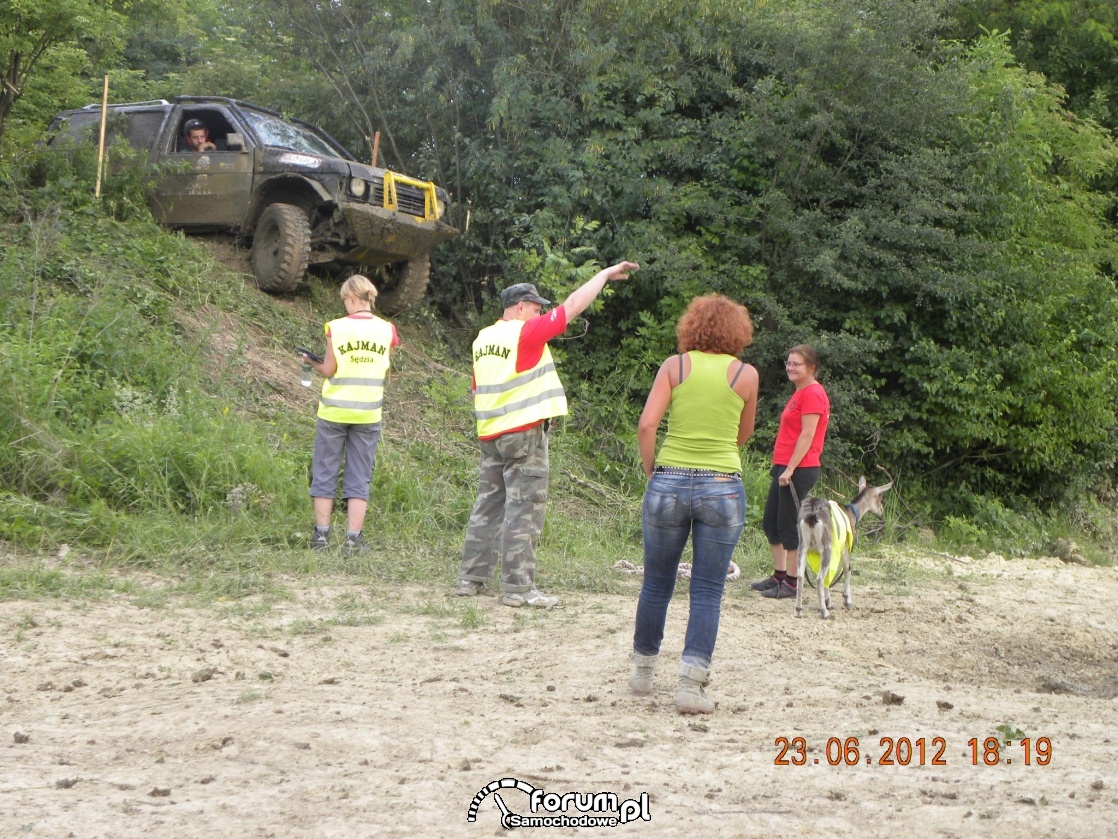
(142, 128)
(138, 128)
(78, 127)
(216, 122)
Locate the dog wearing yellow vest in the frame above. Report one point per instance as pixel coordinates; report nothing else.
(826, 530)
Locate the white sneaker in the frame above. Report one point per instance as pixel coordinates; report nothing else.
(529, 598)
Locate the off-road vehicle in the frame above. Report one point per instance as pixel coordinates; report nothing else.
(283, 185)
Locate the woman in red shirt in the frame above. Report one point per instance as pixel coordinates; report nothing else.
(799, 443)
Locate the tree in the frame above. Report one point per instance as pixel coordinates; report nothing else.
(30, 30)
(1074, 43)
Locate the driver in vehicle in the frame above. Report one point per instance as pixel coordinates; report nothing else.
(197, 136)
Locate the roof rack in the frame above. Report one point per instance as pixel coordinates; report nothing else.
(97, 105)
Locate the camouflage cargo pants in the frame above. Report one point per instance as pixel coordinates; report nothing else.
(509, 512)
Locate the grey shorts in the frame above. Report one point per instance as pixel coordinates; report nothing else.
(338, 441)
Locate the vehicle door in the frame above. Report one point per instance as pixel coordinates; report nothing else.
(207, 189)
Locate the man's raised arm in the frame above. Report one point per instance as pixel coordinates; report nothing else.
(584, 295)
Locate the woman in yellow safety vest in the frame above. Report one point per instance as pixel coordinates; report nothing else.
(347, 429)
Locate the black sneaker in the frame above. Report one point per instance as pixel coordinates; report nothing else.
(354, 544)
(320, 539)
(780, 592)
(765, 584)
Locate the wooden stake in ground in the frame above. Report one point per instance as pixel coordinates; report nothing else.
(101, 142)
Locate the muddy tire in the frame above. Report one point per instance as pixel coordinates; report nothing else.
(403, 285)
(281, 247)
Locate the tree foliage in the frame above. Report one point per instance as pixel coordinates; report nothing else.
(30, 31)
(1074, 43)
(920, 206)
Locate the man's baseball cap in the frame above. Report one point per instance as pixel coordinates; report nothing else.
(519, 293)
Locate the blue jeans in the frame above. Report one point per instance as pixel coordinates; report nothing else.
(712, 511)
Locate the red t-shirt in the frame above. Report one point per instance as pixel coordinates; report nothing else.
(535, 335)
(811, 400)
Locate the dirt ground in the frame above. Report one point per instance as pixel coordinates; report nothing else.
(358, 711)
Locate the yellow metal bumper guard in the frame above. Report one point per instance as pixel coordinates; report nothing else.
(430, 203)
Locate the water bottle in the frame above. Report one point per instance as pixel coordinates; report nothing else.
(305, 375)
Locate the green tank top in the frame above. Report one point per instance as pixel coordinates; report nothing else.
(703, 418)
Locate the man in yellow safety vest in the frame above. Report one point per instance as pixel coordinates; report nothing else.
(516, 393)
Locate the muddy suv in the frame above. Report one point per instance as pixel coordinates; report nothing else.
(284, 186)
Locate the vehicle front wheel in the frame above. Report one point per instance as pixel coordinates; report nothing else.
(281, 247)
(403, 284)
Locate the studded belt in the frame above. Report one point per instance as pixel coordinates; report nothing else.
(694, 473)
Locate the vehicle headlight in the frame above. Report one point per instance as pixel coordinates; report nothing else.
(357, 187)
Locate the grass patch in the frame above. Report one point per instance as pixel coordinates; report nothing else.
(473, 617)
(302, 626)
(31, 580)
(895, 572)
(234, 580)
(354, 610)
(247, 609)
(435, 609)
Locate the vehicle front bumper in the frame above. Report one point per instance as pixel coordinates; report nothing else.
(385, 236)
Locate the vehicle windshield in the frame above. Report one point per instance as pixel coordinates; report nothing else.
(273, 131)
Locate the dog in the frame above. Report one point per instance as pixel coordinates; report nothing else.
(824, 526)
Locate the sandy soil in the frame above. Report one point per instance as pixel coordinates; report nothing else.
(352, 711)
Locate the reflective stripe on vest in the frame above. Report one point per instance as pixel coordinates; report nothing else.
(503, 398)
(355, 393)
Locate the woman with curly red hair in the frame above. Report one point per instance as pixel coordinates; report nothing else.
(694, 487)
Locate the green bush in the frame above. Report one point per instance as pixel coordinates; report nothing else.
(115, 407)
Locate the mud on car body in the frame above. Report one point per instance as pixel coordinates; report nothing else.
(284, 185)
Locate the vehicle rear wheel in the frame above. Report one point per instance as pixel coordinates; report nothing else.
(281, 247)
(403, 284)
